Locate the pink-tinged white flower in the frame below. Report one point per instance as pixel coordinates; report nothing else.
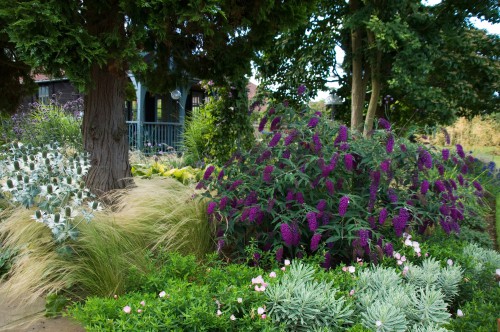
(127, 309)
(344, 268)
(408, 243)
(378, 323)
(359, 259)
(400, 262)
(283, 268)
(351, 293)
(263, 316)
(449, 262)
(143, 303)
(426, 254)
(240, 300)
(417, 250)
(257, 280)
(405, 270)
(351, 269)
(403, 258)
(162, 294)
(460, 313)
(139, 310)
(397, 255)
(219, 312)
(287, 262)
(260, 288)
(272, 275)
(260, 310)
(419, 254)
(232, 317)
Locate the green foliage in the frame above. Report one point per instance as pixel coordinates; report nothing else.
(286, 192)
(6, 257)
(54, 304)
(185, 175)
(225, 125)
(43, 124)
(303, 303)
(197, 127)
(384, 317)
(428, 307)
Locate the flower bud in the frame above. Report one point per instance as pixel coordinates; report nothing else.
(16, 165)
(10, 184)
(49, 189)
(57, 217)
(32, 166)
(38, 214)
(67, 212)
(26, 179)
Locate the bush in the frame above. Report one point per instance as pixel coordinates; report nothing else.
(314, 186)
(42, 124)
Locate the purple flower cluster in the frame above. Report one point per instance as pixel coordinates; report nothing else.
(399, 222)
(262, 123)
(460, 151)
(329, 187)
(275, 123)
(446, 136)
(364, 236)
(235, 185)
(208, 172)
(403, 148)
(388, 249)
(348, 161)
(317, 143)
(439, 185)
(383, 123)
(289, 139)
(266, 176)
(446, 154)
(301, 89)
(440, 168)
(312, 221)
(477, 185)
(342, 135)
(286, 234)
(382, 216)
(299, 198)
(343, 204)
(316, 238)
(393, 198)
(275, 140)
(385, 165)
(389, 147)
(223, 203)
(211, 207)
(221, 175)
(424, 187)
(279, 254)
(424, 160)
(313, 122)
(264, 156)
(321, 205)
(286, 154)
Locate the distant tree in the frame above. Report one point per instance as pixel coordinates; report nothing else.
(164, 42)
(430, 60)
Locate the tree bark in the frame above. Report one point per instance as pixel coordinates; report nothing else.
(105, 131)
(376, 61)
(358, 84)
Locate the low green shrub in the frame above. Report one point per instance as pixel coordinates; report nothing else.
(185, 175)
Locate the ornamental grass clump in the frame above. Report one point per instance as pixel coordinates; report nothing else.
(371, 190)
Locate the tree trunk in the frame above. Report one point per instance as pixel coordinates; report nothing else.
(358, 85)
(105, 131)
(376, 85)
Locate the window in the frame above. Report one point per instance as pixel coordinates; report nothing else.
(43, 94)
(158, 110)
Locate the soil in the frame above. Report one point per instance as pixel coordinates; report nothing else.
(16, 318)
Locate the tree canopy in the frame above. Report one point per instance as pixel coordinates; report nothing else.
(164, 42)
(431, 61)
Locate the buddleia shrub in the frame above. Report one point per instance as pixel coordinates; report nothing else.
(313, 186)
(304, 304)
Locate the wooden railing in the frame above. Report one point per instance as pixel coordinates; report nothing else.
(154, 135)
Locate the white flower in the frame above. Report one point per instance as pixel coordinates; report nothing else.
(219, 312)
(162, 294)
(260, 310)
(287, 262)
(408, 242)
(378, 323)
(258, 280)
(397, 255)
(403, 258)
(460, 313)
(240, 300)
(127, 309)
(497, 272)
(232, 317)
(272, 275)
(449, 262)
(351, 269)
(143, 303)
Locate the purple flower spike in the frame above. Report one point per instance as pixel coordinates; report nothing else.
(296, 234)
(286, 234)
(275, 123)
(440, 169)
(327, 263)
(383, 123)
(329, 187)
(289, 139)
(266, 176)
(439, 186)
(460, 151)
(262, 123)
(389, 147)
(477, 185)
(460, 179)
(393, 198)
(342, 135)
(223, 203)
(388, 249)
(286, 154)
(348, 161)
(275, 140)
(364, 235)
(321, 205)
(446, 154)
(382, 216)
(221, 175)
(208, 172)
(385, 166)
(299, 198)
(426, 159)
(311, 221)
(316, 238)
(424, 187)
(317, 143)
(343, 204)
(313, 122)
(211, 207)
(403, 148)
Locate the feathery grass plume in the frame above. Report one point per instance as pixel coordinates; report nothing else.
(159, 214)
